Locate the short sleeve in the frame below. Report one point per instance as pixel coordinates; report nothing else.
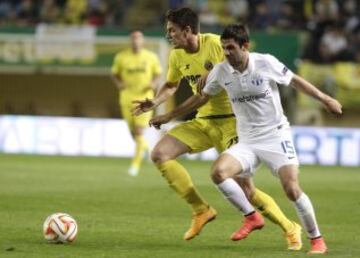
(173, 73)
(278, 71)
(213, 86)
(116, 67)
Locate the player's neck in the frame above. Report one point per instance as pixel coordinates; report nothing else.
(242, 66)
(193, 44)
(136, 50)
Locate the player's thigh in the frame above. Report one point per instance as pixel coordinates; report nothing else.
(277, 150)
(168, 148)
(244, 154)
(193, 134)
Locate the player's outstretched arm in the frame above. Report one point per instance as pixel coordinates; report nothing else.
(142, 106)
(331, 104)
(189, 105)
(159, 120)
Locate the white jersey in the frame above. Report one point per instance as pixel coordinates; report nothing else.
(254, 93)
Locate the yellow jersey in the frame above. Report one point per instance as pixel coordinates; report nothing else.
(136, 71)
(191, 66)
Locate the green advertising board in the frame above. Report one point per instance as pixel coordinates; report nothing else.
(82, 51)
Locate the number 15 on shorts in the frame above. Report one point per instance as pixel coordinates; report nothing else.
(288, 149)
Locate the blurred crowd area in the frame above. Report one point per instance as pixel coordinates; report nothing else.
(333, 25)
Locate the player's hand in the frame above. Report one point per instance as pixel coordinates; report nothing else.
(200, 84)
(333, 106)
(142, 106)
(157, 121)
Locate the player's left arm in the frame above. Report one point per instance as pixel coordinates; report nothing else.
(331, 104)
(192, 103)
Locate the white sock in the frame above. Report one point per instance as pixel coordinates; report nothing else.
(306, 214)
(233, 192)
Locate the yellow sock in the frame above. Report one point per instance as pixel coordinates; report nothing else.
(269, 208)
(179, 179)
(141, 147)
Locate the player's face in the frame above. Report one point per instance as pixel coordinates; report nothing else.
(234, 54)
(137, 40)
(175, 35)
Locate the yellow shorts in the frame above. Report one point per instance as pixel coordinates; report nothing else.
(201, 134)
(134, 121)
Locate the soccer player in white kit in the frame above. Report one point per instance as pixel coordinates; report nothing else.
(251, 82)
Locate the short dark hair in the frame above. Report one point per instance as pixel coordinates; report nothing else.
(238, 32)
(184, 17)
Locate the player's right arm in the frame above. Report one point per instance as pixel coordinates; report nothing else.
(116, 69)
(189, 105)
(166, 91)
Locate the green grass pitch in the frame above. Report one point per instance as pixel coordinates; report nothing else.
(121, 216)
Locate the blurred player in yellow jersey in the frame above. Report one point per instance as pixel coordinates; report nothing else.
(136, 72)
(193, 55)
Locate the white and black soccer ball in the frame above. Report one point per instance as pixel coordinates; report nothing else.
(60, 228)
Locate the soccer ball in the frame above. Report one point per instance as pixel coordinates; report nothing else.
(60, 228)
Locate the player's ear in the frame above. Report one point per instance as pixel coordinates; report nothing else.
(187, 30)
(246, 45)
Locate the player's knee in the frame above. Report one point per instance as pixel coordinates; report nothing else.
(293, 192)
(158, 155)
(219, 173)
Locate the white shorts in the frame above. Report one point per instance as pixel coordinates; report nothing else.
(275, 150)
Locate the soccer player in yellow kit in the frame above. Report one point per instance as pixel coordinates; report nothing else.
(193, 55)
(136, 72)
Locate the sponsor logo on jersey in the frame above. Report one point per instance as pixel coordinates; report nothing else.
(284, 70)
(136, 70)
(256, 80)
(251, 97)
(192, 79)
(208, 65)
